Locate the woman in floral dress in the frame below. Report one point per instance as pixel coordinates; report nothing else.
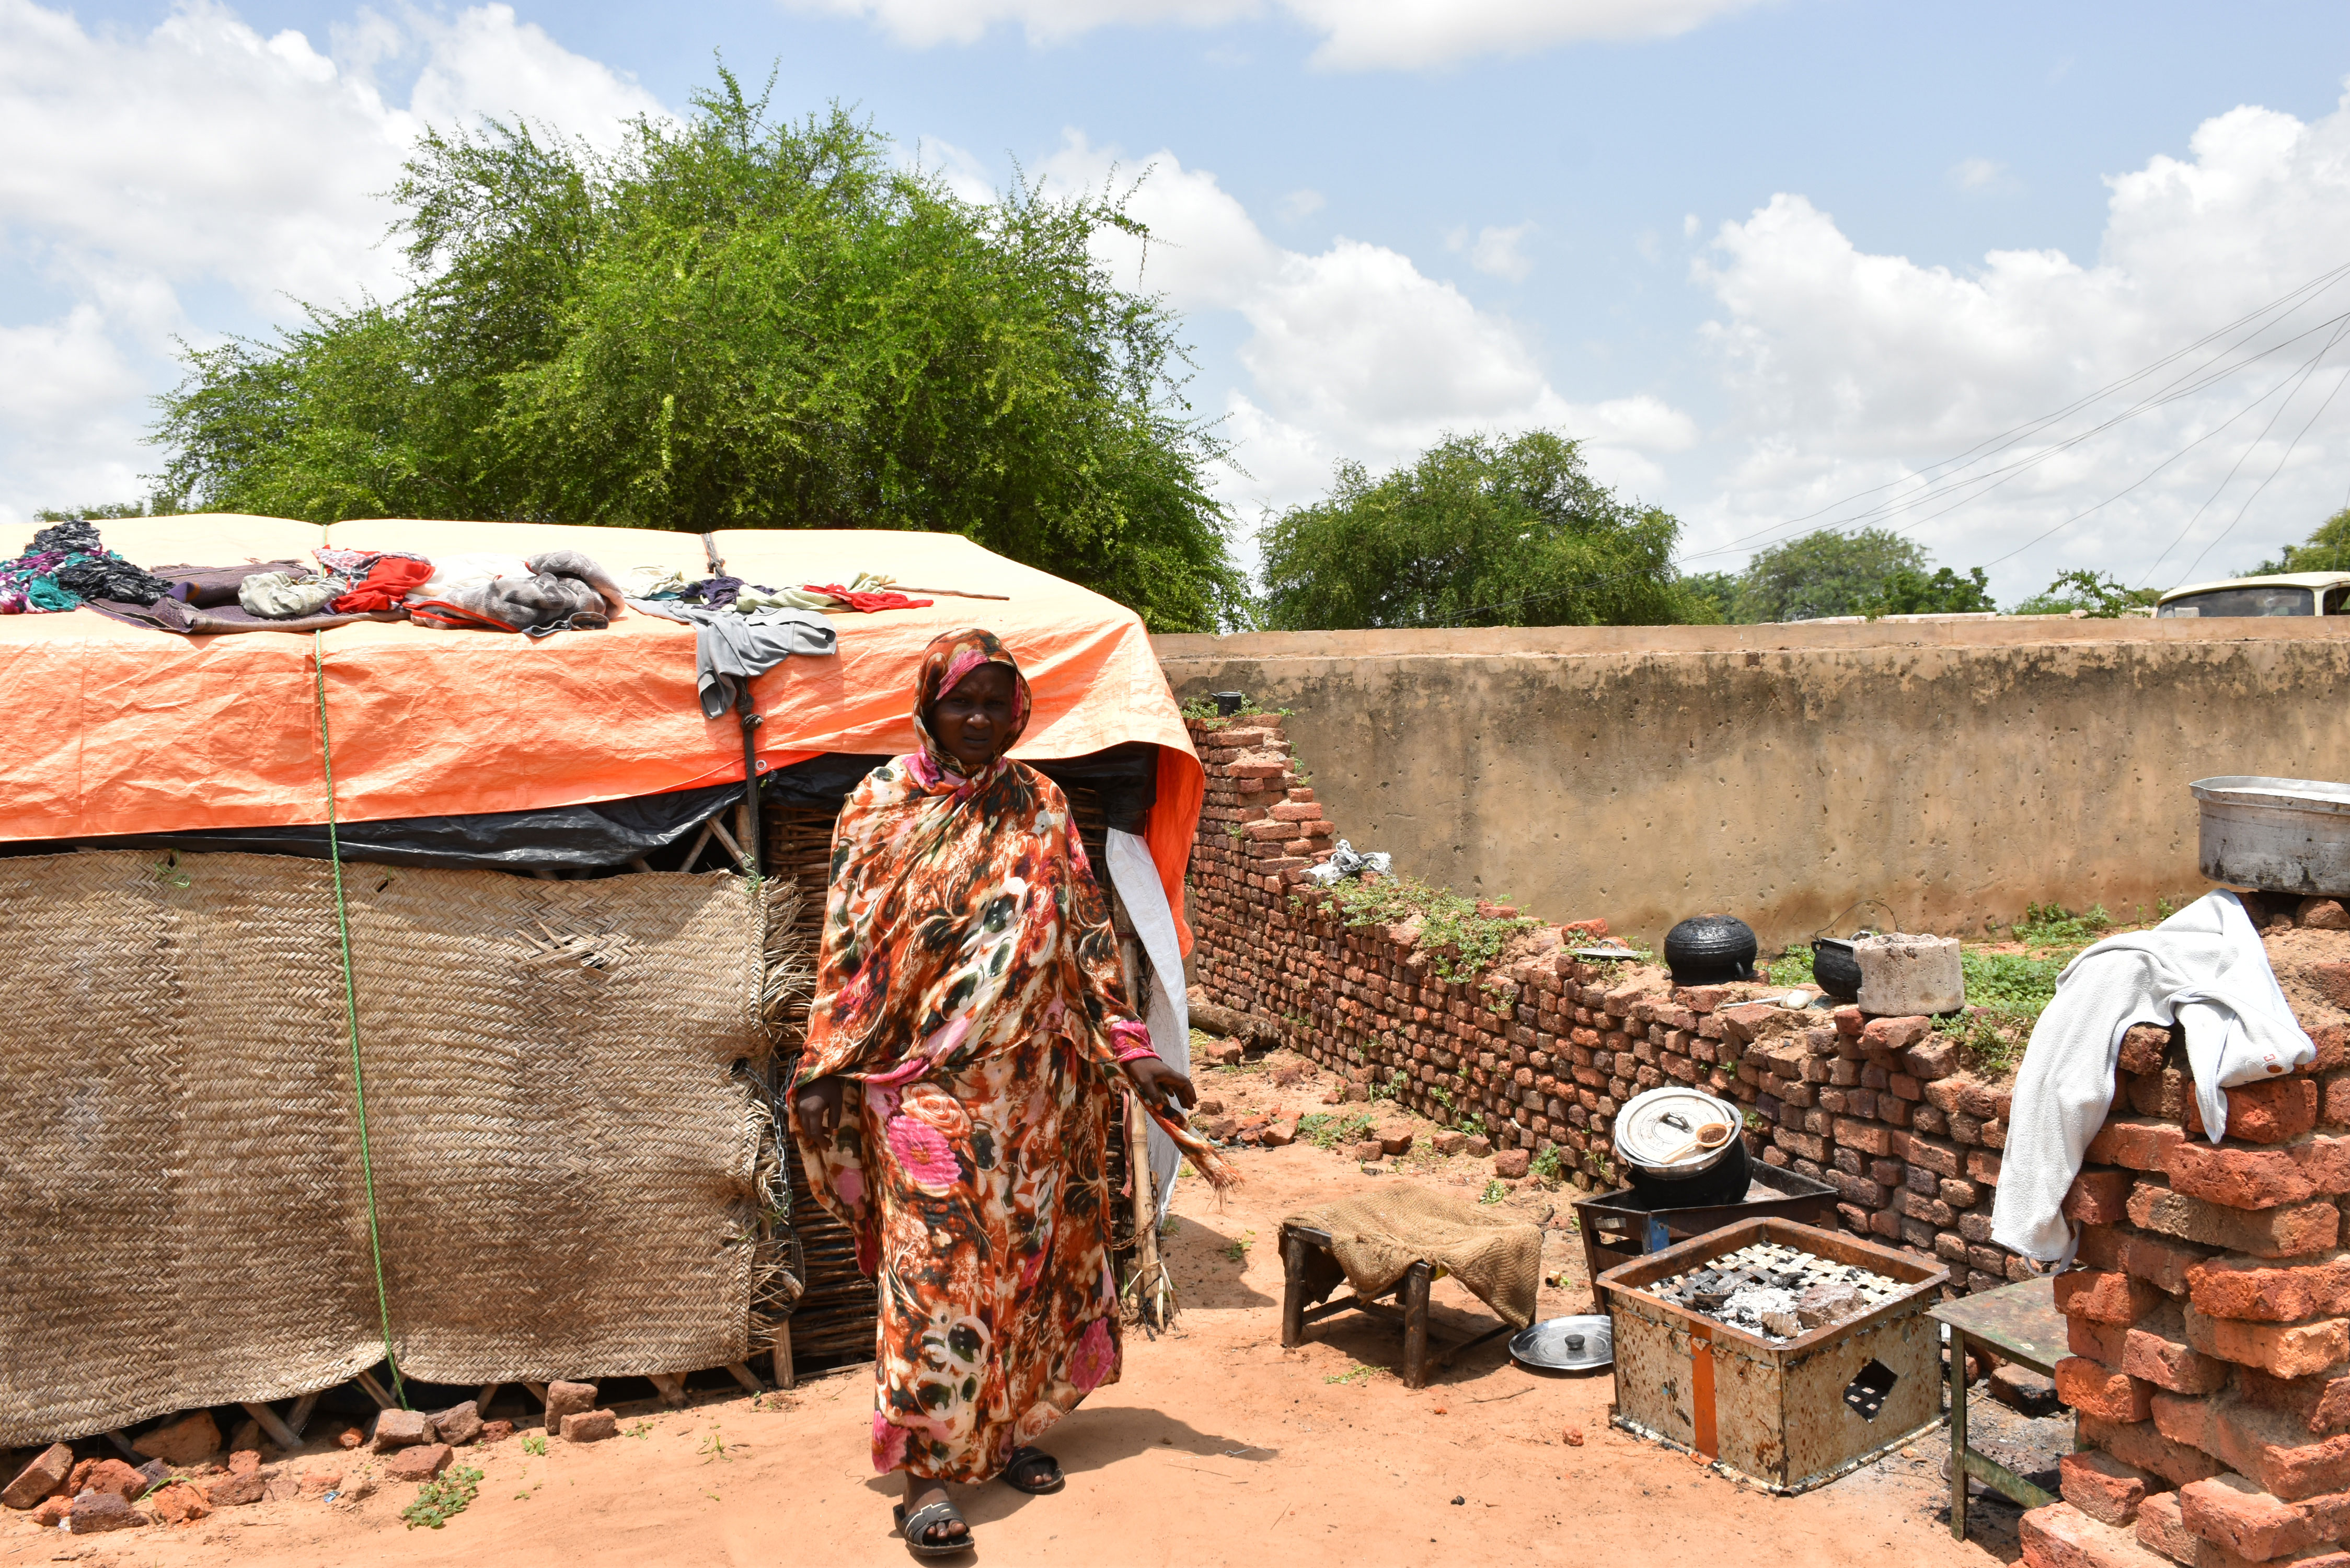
(970, 1032)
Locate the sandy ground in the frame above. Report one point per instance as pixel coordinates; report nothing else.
(1216, 1447)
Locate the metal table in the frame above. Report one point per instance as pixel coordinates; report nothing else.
(2021, 1323)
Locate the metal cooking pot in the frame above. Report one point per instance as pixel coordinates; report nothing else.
(1834, 967)
(2281, 836)
(1657, 1137)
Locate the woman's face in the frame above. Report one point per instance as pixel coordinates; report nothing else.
(972, 720)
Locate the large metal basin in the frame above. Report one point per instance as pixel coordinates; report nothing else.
(2281, 836)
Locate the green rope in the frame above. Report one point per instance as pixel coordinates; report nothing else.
(351, 1013)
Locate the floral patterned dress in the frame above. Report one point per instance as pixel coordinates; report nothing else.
(968, 989)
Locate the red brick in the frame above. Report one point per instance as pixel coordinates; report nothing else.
(1936, 1056)
(1870, 1137)
(1888, 1036)
(2230, 1511)
(2103, 1296)
(2320, 1406)
(2285, 1232)
(2326, 1162)
(2099, 1196)
(2144, 1048)
(2154, 1349)
(2101, 1342)
(2264, 1445)
(2141, 1143)
(1983, 1167)
(2332, 980)
(2239, 1177)
(2283, 1350)
(2161, 1530)
(1941, 1159)
(1847, 1021)
(2061, 1536)
(2336, 1111)
(2095, 1390)
(2275, 1111)
(2260, 1290)
(2104, 1488)
(2158, 1260)
(44, 1476)
(2146, 1446)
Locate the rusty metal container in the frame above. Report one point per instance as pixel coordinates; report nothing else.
(1785, 1416)
(1619, 1226)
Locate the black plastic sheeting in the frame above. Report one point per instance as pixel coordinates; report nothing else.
(608, 833)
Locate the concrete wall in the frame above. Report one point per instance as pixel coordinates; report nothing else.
(1950, 771)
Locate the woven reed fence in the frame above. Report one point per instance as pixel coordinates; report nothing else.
(563, 1108)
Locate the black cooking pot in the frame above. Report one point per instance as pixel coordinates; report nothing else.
(1834, 967)
(1724, 1182)
(1709, 950)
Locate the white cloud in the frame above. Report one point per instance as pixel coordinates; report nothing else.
(1300, 203)
(1352, 352)
(1355, 34)
(1982, 175)
(1498, 253)
(201, 155)
(1848, 369)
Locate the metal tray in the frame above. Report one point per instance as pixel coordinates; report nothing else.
(1544, 1344)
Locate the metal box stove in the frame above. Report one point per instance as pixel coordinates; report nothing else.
(1788, 1416)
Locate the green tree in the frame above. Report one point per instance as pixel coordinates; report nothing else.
(1823, 573)
(1477, 531)
(2098, 597)
(1908, 592)
(2326, 550)
(733, 322)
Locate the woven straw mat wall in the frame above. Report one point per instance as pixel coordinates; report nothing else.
(564, 1147)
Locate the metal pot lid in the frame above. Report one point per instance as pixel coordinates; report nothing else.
(1565, 1344)
(1655, 1130)
(2294, 794)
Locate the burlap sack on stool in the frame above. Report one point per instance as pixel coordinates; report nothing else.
(1377, 1235)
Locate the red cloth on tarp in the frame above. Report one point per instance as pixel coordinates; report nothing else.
(866, 603)
(388, 582)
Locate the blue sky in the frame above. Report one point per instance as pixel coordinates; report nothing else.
(1780, 255)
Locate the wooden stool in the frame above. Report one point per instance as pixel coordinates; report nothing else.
(1308, 1270)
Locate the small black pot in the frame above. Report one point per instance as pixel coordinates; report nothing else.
(1834, 968)
(1709, 950)
(1724, 1182)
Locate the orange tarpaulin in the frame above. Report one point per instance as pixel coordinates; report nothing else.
(118, 729)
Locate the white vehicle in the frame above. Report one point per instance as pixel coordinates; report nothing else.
(2287, 593)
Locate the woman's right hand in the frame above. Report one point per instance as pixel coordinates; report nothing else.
(817, 1105)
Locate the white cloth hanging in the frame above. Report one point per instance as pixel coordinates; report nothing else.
(1165, 1010)
(2204, 969)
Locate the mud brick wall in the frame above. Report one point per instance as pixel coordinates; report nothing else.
(1540, 1052)
(2209, 1319)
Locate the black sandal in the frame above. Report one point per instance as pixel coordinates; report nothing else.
(1029, 1459)
(917, 1528)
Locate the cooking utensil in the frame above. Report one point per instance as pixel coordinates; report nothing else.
(1655, 1137)
(1710, 1136)
(1565, 1344)
(2281, 836)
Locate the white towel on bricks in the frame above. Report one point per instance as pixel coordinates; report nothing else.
(2204, 967)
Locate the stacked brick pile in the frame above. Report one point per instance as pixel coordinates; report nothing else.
(1539, 1053)
(2210, 1320)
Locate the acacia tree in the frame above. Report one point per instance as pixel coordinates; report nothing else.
(729, 323)
(1477, 531)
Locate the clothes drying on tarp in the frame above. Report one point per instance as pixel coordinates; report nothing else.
(730, 648)
(66, 564)
(384, 582)
(2203, 968)
(556, 590)
(283, 595)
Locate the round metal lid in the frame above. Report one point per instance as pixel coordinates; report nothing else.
(1658, 1131)
(1565, 1344)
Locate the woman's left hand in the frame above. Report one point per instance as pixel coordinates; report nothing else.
(1158, 1082)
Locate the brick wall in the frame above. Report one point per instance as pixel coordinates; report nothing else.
(1543, 1049)
(2209, 1319)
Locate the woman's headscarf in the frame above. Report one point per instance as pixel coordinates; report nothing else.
(964, 917)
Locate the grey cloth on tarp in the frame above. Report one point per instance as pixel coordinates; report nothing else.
(729, 647)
